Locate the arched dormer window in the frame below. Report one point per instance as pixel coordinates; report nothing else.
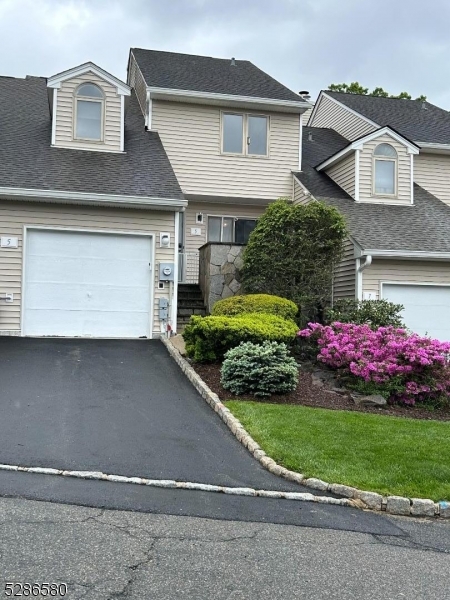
(90, 105)
(385, 170)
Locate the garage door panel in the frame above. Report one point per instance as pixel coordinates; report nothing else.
(87, 284)
(427, 308)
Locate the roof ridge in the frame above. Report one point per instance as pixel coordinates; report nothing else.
(241, 60)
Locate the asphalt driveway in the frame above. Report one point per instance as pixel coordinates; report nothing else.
(121, 407)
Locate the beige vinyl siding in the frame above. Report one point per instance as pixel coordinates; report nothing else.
(300, 196)
(332, 115)
(137, 82)
(65, 115)
(344, 282)
(343, 173)
(191, 137)
(306, 115)
(194, 242)
(15, 215)
(404, 271)
(366, 172)
(432, 172)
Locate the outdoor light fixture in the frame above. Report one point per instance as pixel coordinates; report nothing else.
(164, 240)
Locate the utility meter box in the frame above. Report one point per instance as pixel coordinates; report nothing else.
(166, 271)
(163, 309)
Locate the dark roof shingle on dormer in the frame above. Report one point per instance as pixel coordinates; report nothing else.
(422, 227)
(27, 159)
(172, 70)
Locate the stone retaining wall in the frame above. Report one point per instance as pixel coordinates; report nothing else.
(220, 271)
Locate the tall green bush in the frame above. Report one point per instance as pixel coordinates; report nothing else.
(208, 338)
(375, 313)
(293, 251)
(256, 303)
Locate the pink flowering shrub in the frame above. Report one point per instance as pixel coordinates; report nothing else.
(389, 361)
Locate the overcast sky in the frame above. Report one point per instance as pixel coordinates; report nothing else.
(400, 45)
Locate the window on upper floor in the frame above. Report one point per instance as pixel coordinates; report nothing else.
(230, 229)
(245, 134)
(89, 109)
(385, 170)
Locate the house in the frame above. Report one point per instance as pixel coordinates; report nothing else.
(108, 189)
(385, 165)
(89, 210)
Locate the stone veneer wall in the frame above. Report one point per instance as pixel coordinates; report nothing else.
(220, 271)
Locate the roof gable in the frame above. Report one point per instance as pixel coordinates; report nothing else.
(416, 120)
(89, 67)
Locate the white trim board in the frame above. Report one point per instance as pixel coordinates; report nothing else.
(89, 67)
(323, 93)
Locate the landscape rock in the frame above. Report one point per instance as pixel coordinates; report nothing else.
(422, 508)
(370, 400)
(371, 499)
(396, 505)
(444, 509)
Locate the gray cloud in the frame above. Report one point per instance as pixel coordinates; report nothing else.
(306, 44)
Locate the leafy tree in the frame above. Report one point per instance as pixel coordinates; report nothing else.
(292, 253)
(356, 88)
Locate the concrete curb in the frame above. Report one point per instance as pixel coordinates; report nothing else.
(394, 505)
(180, 485)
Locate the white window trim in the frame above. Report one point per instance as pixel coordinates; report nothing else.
(386, 159)
(245, 116)
(101, 101)
(234, 218)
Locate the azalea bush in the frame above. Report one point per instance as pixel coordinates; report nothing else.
(388, 360)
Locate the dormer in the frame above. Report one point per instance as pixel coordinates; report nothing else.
(379, 167)
(88, 109)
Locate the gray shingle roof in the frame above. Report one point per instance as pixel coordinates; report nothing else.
(206, 74)
(417, 121)
(28, 161)
(423, 227)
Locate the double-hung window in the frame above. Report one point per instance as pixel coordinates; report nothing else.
(89, 109)
(385, 170)
(245, 134)
(230, 229)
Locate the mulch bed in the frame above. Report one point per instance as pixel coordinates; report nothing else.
(308, 394)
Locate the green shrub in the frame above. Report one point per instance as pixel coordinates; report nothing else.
(256, 303)
(375, 313)
(208, 338)
(259, 369)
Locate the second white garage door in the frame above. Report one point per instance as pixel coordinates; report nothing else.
(87, 284)
(427, 308)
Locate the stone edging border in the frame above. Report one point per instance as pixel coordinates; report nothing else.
(394, 505)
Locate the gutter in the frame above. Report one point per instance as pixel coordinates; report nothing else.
(214, 98)
(415, 254)
(150, 202)
(359, 270)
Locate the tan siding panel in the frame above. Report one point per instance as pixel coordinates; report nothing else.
(404, 271)
(191, 137)
(300, 196)
(15, 215)
(432, 172)
(65, 115)
(366, 166)
(194, 242)
(345, 275)
(332, 115)
(343, 173)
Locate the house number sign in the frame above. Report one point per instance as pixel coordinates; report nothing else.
(196, 231)
(9, 242)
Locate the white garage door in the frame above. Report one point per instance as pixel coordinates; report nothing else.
(427, 308)
(86, 284)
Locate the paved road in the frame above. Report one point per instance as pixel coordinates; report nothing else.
(107, 555)
(121, 407)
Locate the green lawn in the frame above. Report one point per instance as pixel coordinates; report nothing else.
(389, 455)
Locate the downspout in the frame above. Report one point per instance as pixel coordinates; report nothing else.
(359, 269)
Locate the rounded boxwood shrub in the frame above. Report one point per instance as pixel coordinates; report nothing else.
(259, 369)
(256, 303)
(208, 338)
